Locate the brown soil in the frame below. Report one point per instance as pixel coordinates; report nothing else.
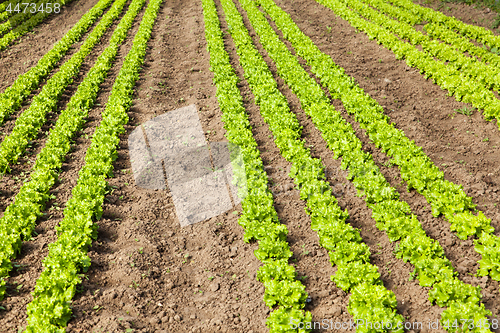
(150, 275)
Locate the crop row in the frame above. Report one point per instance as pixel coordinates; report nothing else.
(483, 74)
(27, 25)
(259, 218)
(5, 4)
(461, 43)
(20, 217)
(439, 31)
(446, 77)
(12, 98)
(17, 18)
(445, 198)
(370, 300)
(480, 34)
(51, 306)
(432, 268)
(4, 14)
(457, 83)
(420, 173)
(397, 12)
(31, 120)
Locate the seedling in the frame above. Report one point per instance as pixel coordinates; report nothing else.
(304, 253)
(18, 266)
(466, 111)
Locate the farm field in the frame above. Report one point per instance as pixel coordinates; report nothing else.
(302, 246)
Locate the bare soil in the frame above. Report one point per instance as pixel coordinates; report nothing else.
(150, 275)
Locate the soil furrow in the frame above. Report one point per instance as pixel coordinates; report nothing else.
(11, 73)
(314, 273)
(394, 274)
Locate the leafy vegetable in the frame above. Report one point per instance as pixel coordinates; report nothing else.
(12, 98)
(51, 306)
(30, 121)
(391, 215)
(345, 244)
(20, 217)
(259, 218)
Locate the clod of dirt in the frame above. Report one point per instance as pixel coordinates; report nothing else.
(169, 284)
(335, 310)
(489, 180)
(214, 286)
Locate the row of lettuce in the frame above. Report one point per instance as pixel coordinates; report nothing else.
(445, 198)
(462, 43)
(4, 14)
(457, 83)
(259, 218)
(480, 34)
(20, 217)
(369, 300)
(419, 171)
(13, 97)
(471, 67)
(18, 17)
(415, 167)
(28, 124)
(22, 23)
(51, 306)
(421, 174)
(432, 268)
(437, 29)
(350, 254)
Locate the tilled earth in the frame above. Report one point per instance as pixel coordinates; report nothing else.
(150, 275)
